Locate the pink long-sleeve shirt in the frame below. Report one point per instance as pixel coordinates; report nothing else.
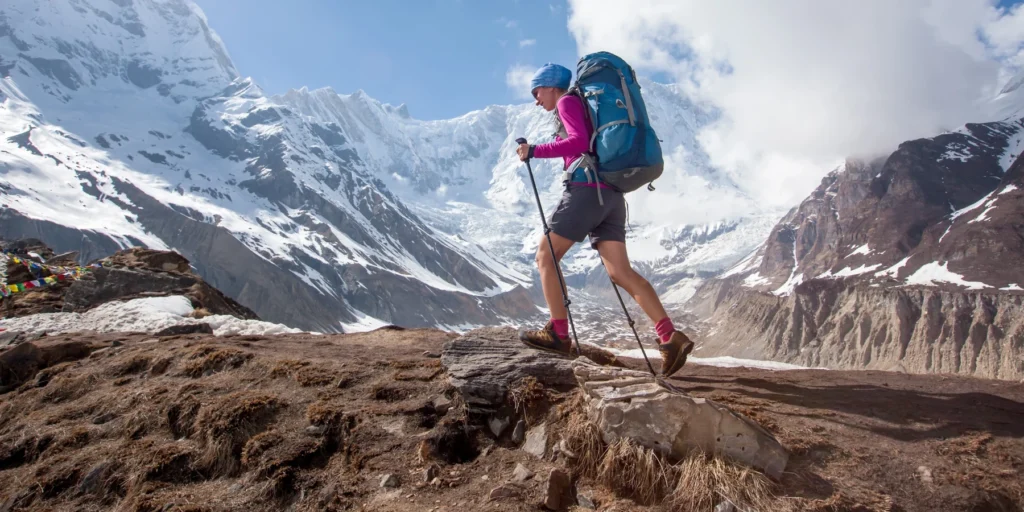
(574, 118)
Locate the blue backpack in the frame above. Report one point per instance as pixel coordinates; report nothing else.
(624, 145)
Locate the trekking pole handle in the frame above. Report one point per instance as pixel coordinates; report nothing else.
(521, 140)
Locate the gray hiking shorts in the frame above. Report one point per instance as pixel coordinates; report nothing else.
(579, 214)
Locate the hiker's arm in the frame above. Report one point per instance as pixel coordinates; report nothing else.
(575, 121)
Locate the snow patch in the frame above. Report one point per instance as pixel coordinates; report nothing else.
(722, 362)
(847, 272)
(1016, 145)
(755, 279)
(363, 323)
(790, 284)
(148, 315)
(1013, 288)
(864, 249)
(893, 270)
(935, 272)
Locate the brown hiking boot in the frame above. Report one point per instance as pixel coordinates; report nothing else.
(546, 339)
(674, 353)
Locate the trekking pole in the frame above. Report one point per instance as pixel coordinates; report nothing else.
(632, 324)
(551, 246)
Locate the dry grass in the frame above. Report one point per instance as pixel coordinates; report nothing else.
(224, 428)
(200, 313)
(584, 440)
(65, 388)
(136, 364)
(210, 359)
(530, 398)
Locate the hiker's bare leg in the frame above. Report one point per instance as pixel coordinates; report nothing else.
(617, 262)
(549, 272)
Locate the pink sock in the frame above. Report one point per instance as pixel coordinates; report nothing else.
(561, 326)
(665, 329)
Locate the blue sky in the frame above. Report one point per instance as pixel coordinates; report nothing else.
(443, 58)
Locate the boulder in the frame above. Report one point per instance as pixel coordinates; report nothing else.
(560, 492)
(483, 364)
(630, 404)
(182, 329)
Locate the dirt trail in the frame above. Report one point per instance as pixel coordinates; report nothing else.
(305, 422)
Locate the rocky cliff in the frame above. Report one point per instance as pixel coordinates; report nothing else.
(912, 262)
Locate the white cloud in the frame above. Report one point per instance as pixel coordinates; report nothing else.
(694, 199)
(527, 42)
(509, 24)
(518, 80)
(801, 85)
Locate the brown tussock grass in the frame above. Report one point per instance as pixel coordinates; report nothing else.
(224, 428)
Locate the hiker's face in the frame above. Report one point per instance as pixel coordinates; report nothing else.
(546, 97)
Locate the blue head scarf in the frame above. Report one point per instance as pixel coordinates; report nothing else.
(551, 75)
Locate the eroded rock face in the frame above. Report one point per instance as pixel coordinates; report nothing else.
(629, 404)
(841, 325)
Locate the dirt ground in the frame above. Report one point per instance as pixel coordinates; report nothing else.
(301, 422)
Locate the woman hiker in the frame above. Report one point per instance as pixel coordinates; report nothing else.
(579, 214)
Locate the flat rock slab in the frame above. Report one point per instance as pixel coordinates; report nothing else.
(630, 404)
(483, 364)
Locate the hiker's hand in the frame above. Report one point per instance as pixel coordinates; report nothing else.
(524, 152)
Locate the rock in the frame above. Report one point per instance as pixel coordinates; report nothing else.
(505, 492)
(519, 433)
(725, 506)
(316, 430)
(432, 355)
(925, 474)
(10, 338)
(150, 259)
(521, 473)
(436, 482)
(484, 363)
(102, 285)
(442, 404)
(181, 329)
(586, 502)
(629, 404)
(389, 481)
(563, 448)
(431, 473)
(498, 425)
(116, 343)
(559, 495)
(67, 259)
(537, 441)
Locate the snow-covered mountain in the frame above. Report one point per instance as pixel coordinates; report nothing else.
(124, 122)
